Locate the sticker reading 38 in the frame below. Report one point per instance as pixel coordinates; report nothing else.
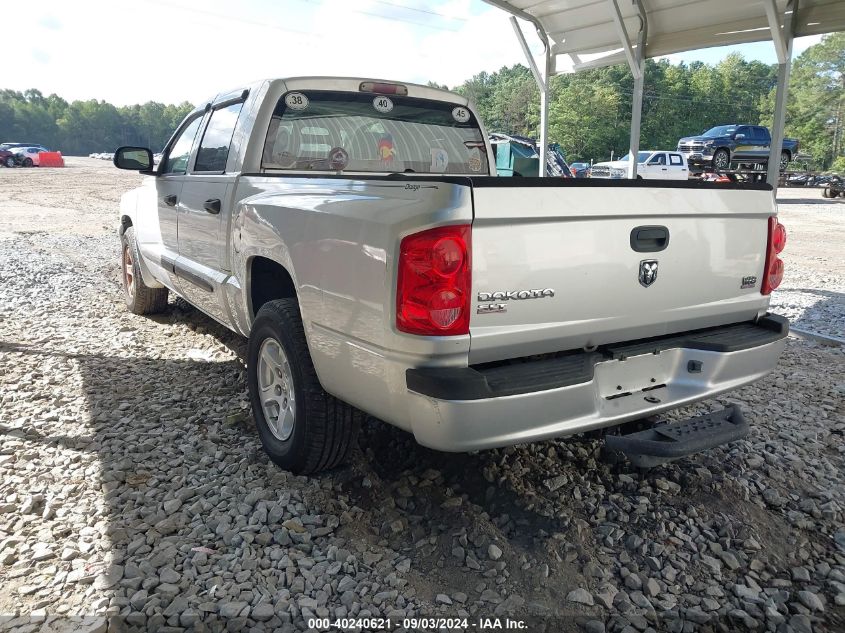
(296, 101)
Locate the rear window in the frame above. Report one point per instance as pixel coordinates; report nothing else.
(364, 132)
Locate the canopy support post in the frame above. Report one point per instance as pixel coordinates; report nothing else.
(784, 68)
(636, 60)
(544, 113)
(543, 83)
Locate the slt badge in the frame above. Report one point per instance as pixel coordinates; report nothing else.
(648, 272)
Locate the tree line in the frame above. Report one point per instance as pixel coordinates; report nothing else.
(589, 112)
(85, 127)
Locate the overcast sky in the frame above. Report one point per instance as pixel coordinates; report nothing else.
(174, 50)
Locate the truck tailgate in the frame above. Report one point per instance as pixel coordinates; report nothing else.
(580, 247)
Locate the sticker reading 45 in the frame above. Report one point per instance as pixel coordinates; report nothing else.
(296, 101)
(460, 114)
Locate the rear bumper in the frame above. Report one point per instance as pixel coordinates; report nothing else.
(487, 406)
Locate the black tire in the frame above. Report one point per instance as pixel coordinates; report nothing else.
(9, 161)
(721, 159)
(784, 160)
(826, 193)
(140, 298)
(27, 162)
(324, 428)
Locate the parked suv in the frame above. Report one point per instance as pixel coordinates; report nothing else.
(723, 145)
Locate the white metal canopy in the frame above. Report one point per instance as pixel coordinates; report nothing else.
(581, 34)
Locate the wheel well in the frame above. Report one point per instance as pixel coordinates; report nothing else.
(125, 223)
(268, 281)
(787, 152)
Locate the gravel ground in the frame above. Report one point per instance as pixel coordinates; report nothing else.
(134, 494)
(812, 294)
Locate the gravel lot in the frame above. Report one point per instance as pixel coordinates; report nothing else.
(134, 494)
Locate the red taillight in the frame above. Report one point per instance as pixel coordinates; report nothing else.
(434, 282)
(773, 273)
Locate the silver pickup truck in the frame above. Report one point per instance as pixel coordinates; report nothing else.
(355, 230)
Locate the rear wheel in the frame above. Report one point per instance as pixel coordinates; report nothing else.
(302, 428)
(721, 159)
(784, 160)
(140, 298)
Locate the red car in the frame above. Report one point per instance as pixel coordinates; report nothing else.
(7, 159)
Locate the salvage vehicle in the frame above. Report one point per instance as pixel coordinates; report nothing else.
(650, 166)
(357, 233)
(722, 146)
(834, 187)
(7, 158)
(28, 156)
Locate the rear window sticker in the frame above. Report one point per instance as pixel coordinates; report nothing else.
(383, 104)
(386, 151)
(474, 160)
(460, 114)
(338, 158)
(296, 101)
(439, 159)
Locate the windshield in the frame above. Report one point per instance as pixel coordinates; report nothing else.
(720, 130)
(641, 156)
(364, 132)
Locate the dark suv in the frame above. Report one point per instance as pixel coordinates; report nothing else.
(724, 145)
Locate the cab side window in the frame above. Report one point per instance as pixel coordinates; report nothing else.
(659, 159)
(214, 147)
(180, 151)
(675, 159)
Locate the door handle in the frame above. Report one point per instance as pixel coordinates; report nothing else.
(649, 239)
(212, 206)
(170, 200)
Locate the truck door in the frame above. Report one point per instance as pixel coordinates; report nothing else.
(762, 141)
(678, 167)
(205, 210)
(656, 167)
(171, 177)
(744, 143)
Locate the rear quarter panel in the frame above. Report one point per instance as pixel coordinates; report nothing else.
(338, 239)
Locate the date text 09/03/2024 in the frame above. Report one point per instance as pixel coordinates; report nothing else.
(417, 624)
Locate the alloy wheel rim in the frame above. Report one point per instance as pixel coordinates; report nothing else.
(128, 272)
(720, 160)
(276, 389)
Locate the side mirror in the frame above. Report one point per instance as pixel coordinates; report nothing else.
(135, 158)
(739, 137)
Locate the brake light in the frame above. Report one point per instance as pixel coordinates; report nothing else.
(773, 273)
(383, 88)
(434, 282)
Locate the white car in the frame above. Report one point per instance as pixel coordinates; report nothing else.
(28, 156)
(657, 165)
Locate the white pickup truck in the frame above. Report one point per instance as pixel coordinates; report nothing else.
(650, 166)
(356, 232)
